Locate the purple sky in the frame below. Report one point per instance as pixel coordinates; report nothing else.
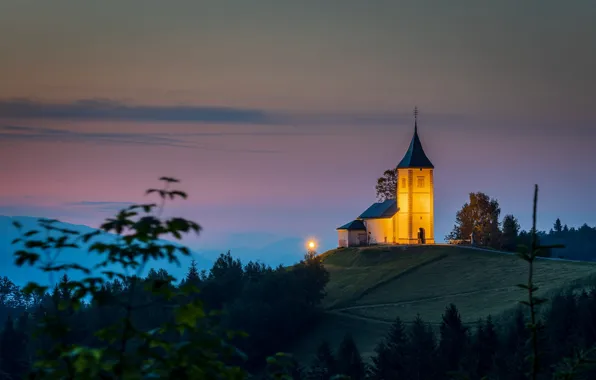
(278, 116)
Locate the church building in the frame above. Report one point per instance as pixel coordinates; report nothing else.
(407, 219)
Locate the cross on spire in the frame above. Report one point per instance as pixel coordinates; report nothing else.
(416, 118)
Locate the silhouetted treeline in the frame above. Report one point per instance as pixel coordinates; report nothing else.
(271, 305)
(480, 218)
(274, 306)
(484, 350)
(580, 243)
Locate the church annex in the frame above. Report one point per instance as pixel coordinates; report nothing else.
(407, 219)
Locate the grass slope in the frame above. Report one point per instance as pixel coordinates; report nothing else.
(370, 286)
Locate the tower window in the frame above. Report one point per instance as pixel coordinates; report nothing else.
(420, 181)
(403, 183)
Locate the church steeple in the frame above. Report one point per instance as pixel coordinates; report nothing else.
(415, 156)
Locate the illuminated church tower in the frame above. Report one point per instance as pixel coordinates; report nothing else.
(407, 219)
(415, 193)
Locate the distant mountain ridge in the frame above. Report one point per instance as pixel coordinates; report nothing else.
(266, 248)
(21, 275)
(275, 250)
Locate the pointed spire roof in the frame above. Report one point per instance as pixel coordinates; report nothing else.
(415, 156)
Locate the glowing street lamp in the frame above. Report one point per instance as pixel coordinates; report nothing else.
(311, 246)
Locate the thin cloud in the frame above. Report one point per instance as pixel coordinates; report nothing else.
(12, 132)
(282, 123)
(110, 110)
(28, 133)
(363, 119)
(101, 109)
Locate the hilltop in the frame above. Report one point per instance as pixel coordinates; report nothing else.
(370, 286)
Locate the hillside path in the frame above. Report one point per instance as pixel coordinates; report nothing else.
(432, 298)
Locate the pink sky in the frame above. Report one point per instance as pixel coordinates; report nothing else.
(505, 92)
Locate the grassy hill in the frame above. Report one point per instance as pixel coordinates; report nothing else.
(370, 286)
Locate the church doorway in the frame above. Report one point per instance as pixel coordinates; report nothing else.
(421, 236)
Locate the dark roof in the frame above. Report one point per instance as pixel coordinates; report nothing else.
(354, 225)
(415, 156)
(384, 209)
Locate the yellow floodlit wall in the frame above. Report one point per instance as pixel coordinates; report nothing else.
(415, 200)
(380, 230)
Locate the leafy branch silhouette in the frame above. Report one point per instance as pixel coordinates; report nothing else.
(189, 346)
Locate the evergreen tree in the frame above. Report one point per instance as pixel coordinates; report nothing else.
(511, 356)
(193, 276)
(586, 317)
(349, 360)
(390, 361)
(324, 365)
(7, 338)
(422, 351)
(225, 282)
(13, 352)
(558, 227)
(494, 233)
(297, 371)
(485, 347)
(510, 233)
(586, 307)
(561, 327)
(474, 363)
(64, 290)
(454, 338)
(381, 362)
